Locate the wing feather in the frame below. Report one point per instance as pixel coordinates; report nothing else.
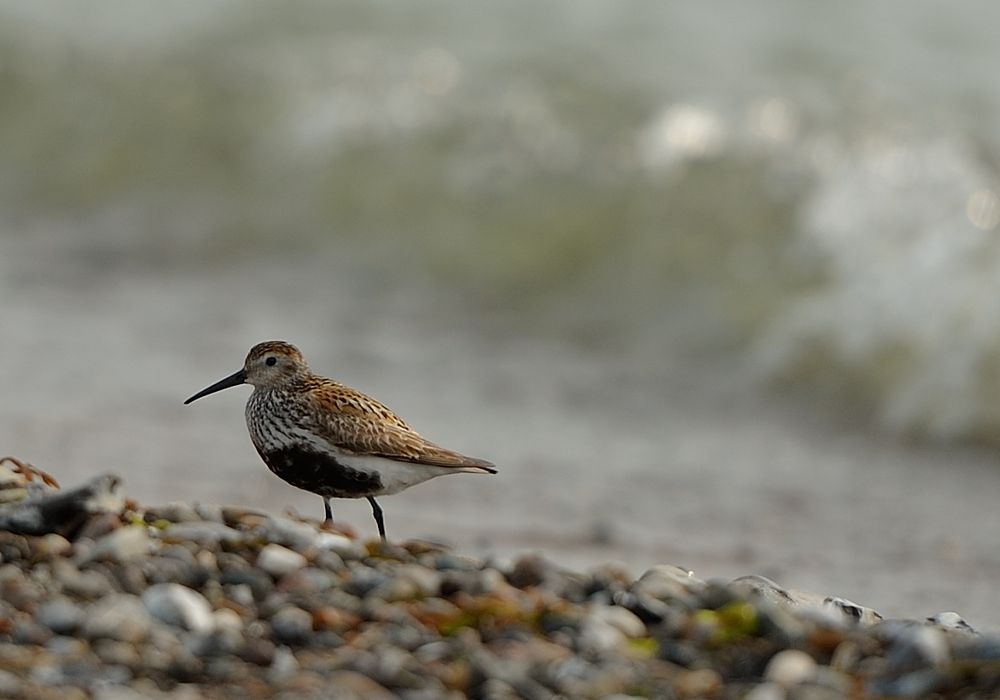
(357, 423)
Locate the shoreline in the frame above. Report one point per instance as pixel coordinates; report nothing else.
(180, 600)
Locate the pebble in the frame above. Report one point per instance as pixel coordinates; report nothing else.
(790, 667)
(290, 533)
(292, 625)
(123, 544)
(621, 619)
(344, 547)
(10, 684)
(178, 605)
(951, 621)
(766, 691)
(914, 646)
(206, 601)
(60, 615)
(278, 561)
(203, 532)
(175, 512)
(118, 616)
(283, 666)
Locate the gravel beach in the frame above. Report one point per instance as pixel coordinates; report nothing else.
(103, 598)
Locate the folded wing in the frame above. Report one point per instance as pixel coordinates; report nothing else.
(362, 425)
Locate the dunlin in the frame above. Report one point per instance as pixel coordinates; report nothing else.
(329, 439)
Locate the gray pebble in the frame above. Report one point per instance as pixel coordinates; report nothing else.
(173, 512)
(203, 531)
(291, 533)
(60, 615)
(283, 666)
(914, 645)
(363, 580)
(89, 584)
(750, 587)
(291, 625)
(259, 583)
(10, 685)
(666, 582)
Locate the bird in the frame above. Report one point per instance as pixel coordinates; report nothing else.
(324, 437)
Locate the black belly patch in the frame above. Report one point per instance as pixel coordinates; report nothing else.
(320, 473)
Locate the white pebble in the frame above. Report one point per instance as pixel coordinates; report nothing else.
(225, 619)
(344, 546)
(278, 561)
(790, 667)
(621, 619)
(120, 545)
(766, 691)
(179, 605)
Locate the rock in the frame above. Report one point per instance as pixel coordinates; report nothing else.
(10, 684)
(89, 584)
(291, 625)
(363, 580)
(176, 512)
(291, 533)
(203, 532)
(951, 621)
(178, 605)
(60, 615)
(766, 691)
(62, 512)
(209, 512)
(853, 611)
(427, 581)
(120, 545)
(345, 547)
(283, 666)
(52, 545)
(529, 570)
(759, 587)
(307, 581)
(597, 635)
(395, 589)
(913, 646)
(29, 632)
(117, 616)
(702, 683)
(278, 561)
(259, 583)
(621, 619)
(665, 581)
(351, 685)
(790, 667)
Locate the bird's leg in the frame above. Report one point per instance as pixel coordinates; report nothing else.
(329, 512)
(377, 512)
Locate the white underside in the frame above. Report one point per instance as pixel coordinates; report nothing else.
(394, 476)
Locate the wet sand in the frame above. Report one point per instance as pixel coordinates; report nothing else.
(625, 450)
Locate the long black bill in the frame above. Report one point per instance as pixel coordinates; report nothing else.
(234, 379)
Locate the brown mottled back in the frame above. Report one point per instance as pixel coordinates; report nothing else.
(360, 424)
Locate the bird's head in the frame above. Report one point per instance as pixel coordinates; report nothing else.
(269, 365)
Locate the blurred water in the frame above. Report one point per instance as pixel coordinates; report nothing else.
(582, 243)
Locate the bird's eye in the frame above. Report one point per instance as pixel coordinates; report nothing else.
(271, 361)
